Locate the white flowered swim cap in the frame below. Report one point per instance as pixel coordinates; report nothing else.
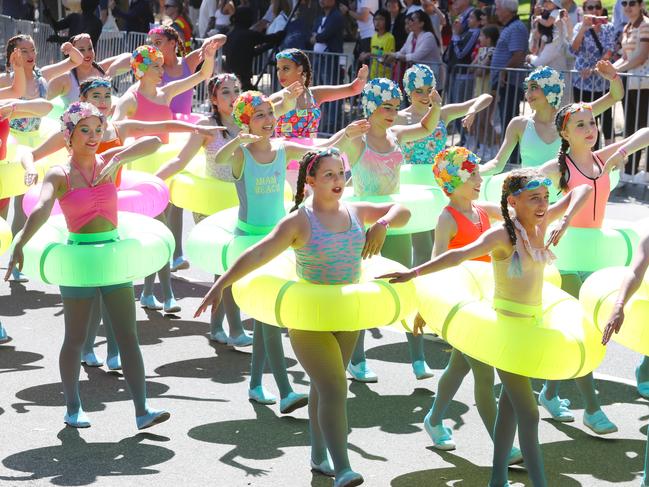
(416, 76)
(552, 83)
(376, 92)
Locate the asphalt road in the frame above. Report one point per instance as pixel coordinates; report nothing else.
(216, 437)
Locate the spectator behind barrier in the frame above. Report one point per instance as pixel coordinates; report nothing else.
(138, 17)
(397, 22)
(382, 44)
(76, 23)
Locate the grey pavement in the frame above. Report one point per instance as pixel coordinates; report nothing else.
(216, 437)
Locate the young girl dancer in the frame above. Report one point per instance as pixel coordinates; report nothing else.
(519, 253)
(375, 160)
(463, 221)
(147, 101)
(294, 65)
(259, 169)
(331, 234)
(578, 164)
(418, 82)
(88, 198)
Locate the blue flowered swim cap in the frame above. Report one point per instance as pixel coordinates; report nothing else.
(376, 92)
(416, 76)
(552, 83)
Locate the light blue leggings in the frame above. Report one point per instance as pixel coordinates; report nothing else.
(267, 344)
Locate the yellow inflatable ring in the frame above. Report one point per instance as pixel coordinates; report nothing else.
(152, 162)
(5, 236)
(457, 303)
(424, 202)
(598, 295)
(274, 294)
(12, 174)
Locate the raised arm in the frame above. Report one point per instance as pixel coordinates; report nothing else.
(19, 83)
(510, 141)
(326, 93)
(232, 154)
(193, 59)
(120, 155)
(116, 65)
(284, 100)
(277, 241)
(138, 128)
(616, 91)
(125, 107)
(566, 208)
(631, 283)
(467, 109)
(186, 154)
(417, 131)
(38, 107)
(75, 58)
(380, 217)
(180, 86)
(615, 154)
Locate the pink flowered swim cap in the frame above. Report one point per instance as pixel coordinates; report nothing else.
(76, 112)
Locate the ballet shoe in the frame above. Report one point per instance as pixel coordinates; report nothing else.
(91, 360)
(441, 436)
(361, 372)
(219, 337)
(114, 362)
(17, 276)
(349, 478)
(292, 402)
(599, 423)
(241, 341)
(171, 306)
(77, 420)
(556, 407)
(261, 395)
(3, 334)
(643, 387)
(515, 456)
(324, 467)
(150, 302)
(179, 264)
(421, 370)
(151, 418)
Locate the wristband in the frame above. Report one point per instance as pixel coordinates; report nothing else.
(417, 272)
(622, 151)
(619, 302)
(384, 222)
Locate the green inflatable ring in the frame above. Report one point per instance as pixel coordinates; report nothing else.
(418, 174)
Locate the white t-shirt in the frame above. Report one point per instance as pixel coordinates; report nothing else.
(366, 29)
(207, 10)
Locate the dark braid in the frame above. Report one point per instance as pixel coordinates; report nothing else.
(565, 145)
(13, 42)
(516, 180)
(301, 177)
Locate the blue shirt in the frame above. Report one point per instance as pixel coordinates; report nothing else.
(512, 38)
(588, 55)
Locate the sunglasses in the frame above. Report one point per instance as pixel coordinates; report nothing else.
(630, 3)
(170, 6)
(594, 7)
(534, 184)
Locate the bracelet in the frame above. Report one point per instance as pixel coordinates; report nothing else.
(622, 151)
(619, 302)
(417, 272)
(384, 222)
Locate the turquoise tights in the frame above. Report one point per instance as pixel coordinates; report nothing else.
(324, 356)
(517, 408)
(267, 343)
(98, 313)
(227, 309)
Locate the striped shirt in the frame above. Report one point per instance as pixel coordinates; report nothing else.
(512, 38)
(632, 36)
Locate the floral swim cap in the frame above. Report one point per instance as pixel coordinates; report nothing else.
(376, 92)
(76, 112)
(552, 83)
(453, 167)
(416, 76)
(244, 106)
(143, 57)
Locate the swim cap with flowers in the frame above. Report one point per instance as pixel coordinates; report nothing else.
(551, 82)
(376, 92)
(245, 104)
(453, 167)
(76, 112)
(143, 57)
(417, 76)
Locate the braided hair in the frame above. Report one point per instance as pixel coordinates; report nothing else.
(310, 162)
(516, 180)
(299, 58)
(13, 43)
(212, 87)
(170, 33)
(565, 145)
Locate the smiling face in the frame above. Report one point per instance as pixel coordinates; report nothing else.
(386, 113)
(531, 206)
(28, 50)
(166, 46)
(263, 120)
(471, 188)
(288, 72)
(420, 96)
(581, 130)
(329, 179)
(86, 136)
(224, 96)
(99, 97)
(535, 95)
(84, 45)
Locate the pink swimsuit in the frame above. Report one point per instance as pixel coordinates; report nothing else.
(592, 213)
(82, 205)
(149, 111)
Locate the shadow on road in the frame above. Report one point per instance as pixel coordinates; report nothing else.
(22, 299)
(16, 361)
(76, 462)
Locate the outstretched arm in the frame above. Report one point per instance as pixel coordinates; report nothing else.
(566, 208)
(178, 163)
(120, 155)
(19, 82)
(510, 141)
(326, 93)
(138, 128)
(176, 87)
(28, 160)
(467, 110)
(615, 154)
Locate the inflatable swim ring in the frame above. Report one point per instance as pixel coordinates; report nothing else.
(418, 174)
(457, 303)
(152, 162)
(592, 249)
(12, 174)
(212, 244)
(138, 192)
(5, 236)
(35, 138)
(598, 295)
(274, 294)
(144, 246)
(424, 202)
(492, 187)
